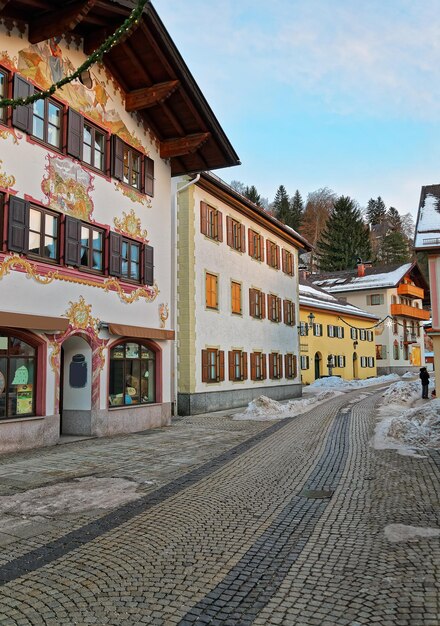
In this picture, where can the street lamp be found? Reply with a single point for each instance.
(355, 345)
(311, 319)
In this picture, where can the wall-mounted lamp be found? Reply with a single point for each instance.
(311, 319)
(85, 78)
(355, 345)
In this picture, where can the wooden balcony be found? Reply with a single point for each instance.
(410, 291)
(409, 311)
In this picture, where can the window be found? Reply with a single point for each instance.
(17, 377)
(46, 121)
(257, 304)
(256, 245)
(213, 365)
(131, 260)
(93, 149)
(237, 360)
(211, 222)
(362, 334)
(381, 352)
(330, 330)
(370, 335)
(132, 374)
(305, 363)
(303, 329)
(370, 361)
(258, 366)
(289, 312)
(43, 233)
(340, 361)
(290, 366)
(91, 255)
(317, 330)
(236, 298)
(275, 366)
(363, 361)
(131, 167)
(3, 94)
(211, 291)
(273, 308)
(287, 258)
(236, 234)
(375, 299)
(354, 333)
(272, 254)
(393, 299)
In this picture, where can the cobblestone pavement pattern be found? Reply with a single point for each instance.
(262, 524)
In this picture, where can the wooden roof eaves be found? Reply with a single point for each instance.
(336, 312)
(228, 195)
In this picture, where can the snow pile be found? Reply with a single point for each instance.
(342, 384)
(419, 427)
(402, 532)
(402, 392)
(409, 374)
(265, 409)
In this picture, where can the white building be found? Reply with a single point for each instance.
(86, 319)
(394, 294)
(237, 299)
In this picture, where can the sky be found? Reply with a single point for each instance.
(342, 94)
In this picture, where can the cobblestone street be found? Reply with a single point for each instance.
(231, 523)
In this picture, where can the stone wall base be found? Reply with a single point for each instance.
(26, 433)
(398, 369)
(106, 423)
(197, 403)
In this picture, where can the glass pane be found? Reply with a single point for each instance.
(87, 135)
(85, 236)
(50, 248)
(97, 240)
(117, 352)
(3, 345)
(84, 256)
(38, 108)
(21, 387)
(38, 128)
(35, 220)
(134, 252)
(148, 382)
(2, 84)
(54, 115)
(97, 261)
(134, 271)
(3, 386)
(34, 243)
(99, 142)
(53, 135)
(116, 384)
(18, 347)
(146, 353)
(132, 381)
(126, 166)
(87, 154)
(124, 250)
(132, 350)
(51, 224)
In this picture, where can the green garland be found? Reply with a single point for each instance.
(375, 325)
(111, 41)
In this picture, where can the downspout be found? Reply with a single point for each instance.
(174, 291)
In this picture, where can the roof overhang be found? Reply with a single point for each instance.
(148, 67)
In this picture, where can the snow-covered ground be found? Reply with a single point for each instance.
(264, 408)
(407, 423)
(335, 382)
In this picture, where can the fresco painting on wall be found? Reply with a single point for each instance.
(68, 186)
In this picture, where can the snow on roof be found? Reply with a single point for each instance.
(311, 296)
(372, 280)
(428, 219)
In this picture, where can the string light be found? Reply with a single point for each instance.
(390, 321)
(126, 26)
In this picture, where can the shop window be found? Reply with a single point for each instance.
(132, 374)
(236, 234)
(236, 298)
(290, 366)
(211, 291)
(287, 258)
(213, 365)
(258, 366)
(257, 304)
(237, 361)
(272, 254)
(17, 377)
(211, 222)
(256, 245)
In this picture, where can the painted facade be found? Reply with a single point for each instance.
(229, 350)
(427, 240)
(86, 285)
(337, 341)
(393, 294)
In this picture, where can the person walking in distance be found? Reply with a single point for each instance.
(424, 377)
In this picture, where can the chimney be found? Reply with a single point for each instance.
(303, 273)
(360, 268)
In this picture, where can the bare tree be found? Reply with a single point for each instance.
(319, 207)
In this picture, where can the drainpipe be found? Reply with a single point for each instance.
(174, 291)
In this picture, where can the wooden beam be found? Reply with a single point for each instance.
(60, 21)
(3, 3)
(94, 39)
(182, 145)
(150, 96)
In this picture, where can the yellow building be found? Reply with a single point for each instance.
(336, 338)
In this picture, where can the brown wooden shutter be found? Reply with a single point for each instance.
(252, 302)
(244, 366)
(293, 314)
(219, 226)
(268, 251)
(280, 365)
(148, 265)
(285, 311)
(263, 366)
(231, 364)
(278, 256)
(263, 304)
(243, 238)
(118, 158)
(75, 134)
(22, 115)
(18, 224)
(284, 260)
(203, 218)
(205, 366)
(278, 309)
(115, 254)
(286, 364)
(261, 248)
(229, 235)
(271, 357)
(72, 244)
(149, 176)
(221, 360)
(253, 367)
(251, 247)
(294, 366)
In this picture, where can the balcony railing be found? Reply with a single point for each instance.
(411, 291)
(404, 310)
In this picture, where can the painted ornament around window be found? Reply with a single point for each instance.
(6, 181)
(130, 225)
(164, 313)
(134, 195)
(68, 187)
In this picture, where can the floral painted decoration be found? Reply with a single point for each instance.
(130, 225)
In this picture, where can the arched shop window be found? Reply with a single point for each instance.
(132, 374)
(17, 377)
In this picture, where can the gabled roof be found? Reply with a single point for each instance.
(218, 187)
(150, 70)
(427, 235)
(312, 296)
(383, 277)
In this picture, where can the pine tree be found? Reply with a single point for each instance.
(344, 239)
(281, 205)
(376, 211)
(394, 220)
(395, 248)
(252, 194)
(296, 211)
